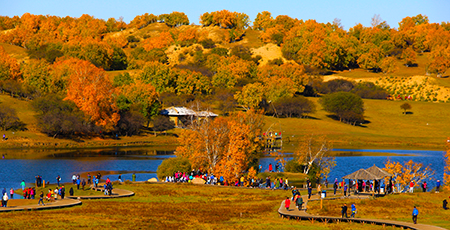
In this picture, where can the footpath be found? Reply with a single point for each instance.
(294, 213)
(69, 201)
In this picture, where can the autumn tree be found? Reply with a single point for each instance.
(250, 96)
(90, 89)
(9, 69)
(407, 172)
(9, 119)
(263, 21)
(405, 106)
(388, 65)
(313, 150)
(440, 60)
(142, 21)
(409, 55)
(174, 19)
(220, 146)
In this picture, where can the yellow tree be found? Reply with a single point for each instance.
(91, 90)
(312, 150)
(9, 69)
(387, 65)
(263, 21)
(250, 96)
(407, 172)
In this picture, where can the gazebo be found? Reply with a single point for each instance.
(373, 173)
(379, 172)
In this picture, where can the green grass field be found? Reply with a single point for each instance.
(386, 127)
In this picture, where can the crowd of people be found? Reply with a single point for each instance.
(243, 181)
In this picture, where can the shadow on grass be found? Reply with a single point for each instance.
(360, 124)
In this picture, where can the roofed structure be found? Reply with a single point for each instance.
(181, 116)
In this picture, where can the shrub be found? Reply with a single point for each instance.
(162, 123)
(208, 43)
(130, 123)
(348, 107)
(220, 51)
(9, 119)
(172, 165)
(293, 107)
(293, 166)
(58, 117)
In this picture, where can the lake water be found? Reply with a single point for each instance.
(144, 162)
(349, 164)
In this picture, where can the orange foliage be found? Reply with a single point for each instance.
(163, 40)
(9, 69)
(188, 34)
(222, 146)
(90, 89)
(409, 171)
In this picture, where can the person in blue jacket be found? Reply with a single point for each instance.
(415, 213)
(353, 211)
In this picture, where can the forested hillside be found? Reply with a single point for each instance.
(89, 76)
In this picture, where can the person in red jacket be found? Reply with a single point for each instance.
(270, 167)
(287, 203)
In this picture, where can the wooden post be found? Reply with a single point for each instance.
(321, 202)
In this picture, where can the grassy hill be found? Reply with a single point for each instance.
(386, 127)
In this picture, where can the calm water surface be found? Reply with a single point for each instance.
(144, 162)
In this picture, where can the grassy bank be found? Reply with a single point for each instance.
(185, 206)
(424, 127)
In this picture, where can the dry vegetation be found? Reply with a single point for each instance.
(184, 206)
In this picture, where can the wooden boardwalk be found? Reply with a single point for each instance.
(60, 203)
(69, 201)
(294, 213)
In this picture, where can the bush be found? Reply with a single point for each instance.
(162, 123)
(130, 123)
(369, 90)
(293, 107)
(9, 119)
(208, 43)
(348, 107)
(220, 51)
(172, 165)
(58, 117)
(293, 166)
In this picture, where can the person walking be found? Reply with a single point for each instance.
(353, 211)
(11, 192)
(299, 202)
(287, 203)
(335, 186)
(415, 213)
(438, 184)
(58, 180)
(344, 211)
(5, 200)
(41, 199)
(63, 192)
(23, 185)
(133, 177)
(424, 186)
